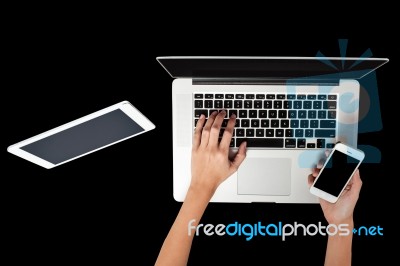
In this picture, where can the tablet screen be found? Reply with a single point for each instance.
(85, 137)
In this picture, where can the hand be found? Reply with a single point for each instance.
(342, 210)
(210, 162)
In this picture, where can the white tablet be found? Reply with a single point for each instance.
(83, 136)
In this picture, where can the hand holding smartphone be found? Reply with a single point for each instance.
(337, 172)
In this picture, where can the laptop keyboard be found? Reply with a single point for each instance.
(275, 120)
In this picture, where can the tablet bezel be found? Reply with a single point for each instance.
(124, 106)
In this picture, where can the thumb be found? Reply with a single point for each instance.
(239, 158)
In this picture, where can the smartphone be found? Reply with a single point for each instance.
(337, 172)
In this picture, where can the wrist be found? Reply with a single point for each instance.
(201, 192)
(348, 221)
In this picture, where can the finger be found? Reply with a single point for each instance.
(205, 135)
(239, 158)
(197, 131)
(228, 133)
(320, 163)
(311, 179)
(215, 128)
(315, 172)
(357, 183)
(327, 152)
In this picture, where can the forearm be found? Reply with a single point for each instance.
(338, 250)
(176, 247)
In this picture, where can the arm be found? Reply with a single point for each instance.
(338, 249)
(210, 167)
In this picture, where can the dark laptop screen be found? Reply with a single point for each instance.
(279, 68)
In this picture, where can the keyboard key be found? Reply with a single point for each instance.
(198, 104)
(287, 104)
(330, 145)
(199, 112)
(255, 122)
(282, 114)
(260, 96)
(232, 112)
(232, 144)
(304, 123)
(237, 123)
(291, 96)
(277, 104)
(260, 132)
(310, 145)
(225, 123)
(269, 132)
(243, 113)
(272, 113)
(245, 123)
(311, 97)
(327, 124)
(250, 132)
(239, 96)
(301, 143)
(307, 104)
(279, 133)
(320, 143)
(228, 104)
(299, 133)
(332, 97)
(248, 104)
(292, 114)
(321, 97)
(264, 123)
(314, 123)
(258, 104)
(267, 104)
(290, 143)
(221, 132)
(237, 104)
(284, 123)
(325, 133)
(219, 96)
(239, 132)
(252, 113)
(280, 96)
(198, 96)
(289, 133)
(302, 114)
(228, 96)
(270, 96)
(274, 123)
(249, 96)
(321, 114)
(329, 104)
(301, 97)
(309, 133)
(294, 123)
(297, 104)
(332, 114)
(208, 104)
(262, 114)
(312, 114)
(261, 142)
(209, 96)
(218, 104)
(317, 104)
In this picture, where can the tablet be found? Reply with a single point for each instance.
(83, 136)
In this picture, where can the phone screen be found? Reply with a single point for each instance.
(336, 172)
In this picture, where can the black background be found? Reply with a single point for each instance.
(116, 205)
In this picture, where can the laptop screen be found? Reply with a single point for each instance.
(269, 68)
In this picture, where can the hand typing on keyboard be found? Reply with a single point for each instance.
(210, 163)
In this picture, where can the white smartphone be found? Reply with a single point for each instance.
(337, 172)
(85, 135)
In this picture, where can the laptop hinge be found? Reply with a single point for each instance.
(298, 82)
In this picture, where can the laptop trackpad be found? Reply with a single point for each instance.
(265, 176)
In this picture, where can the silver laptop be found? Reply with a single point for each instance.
(289, 110)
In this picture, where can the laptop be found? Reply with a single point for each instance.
(290, 110)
